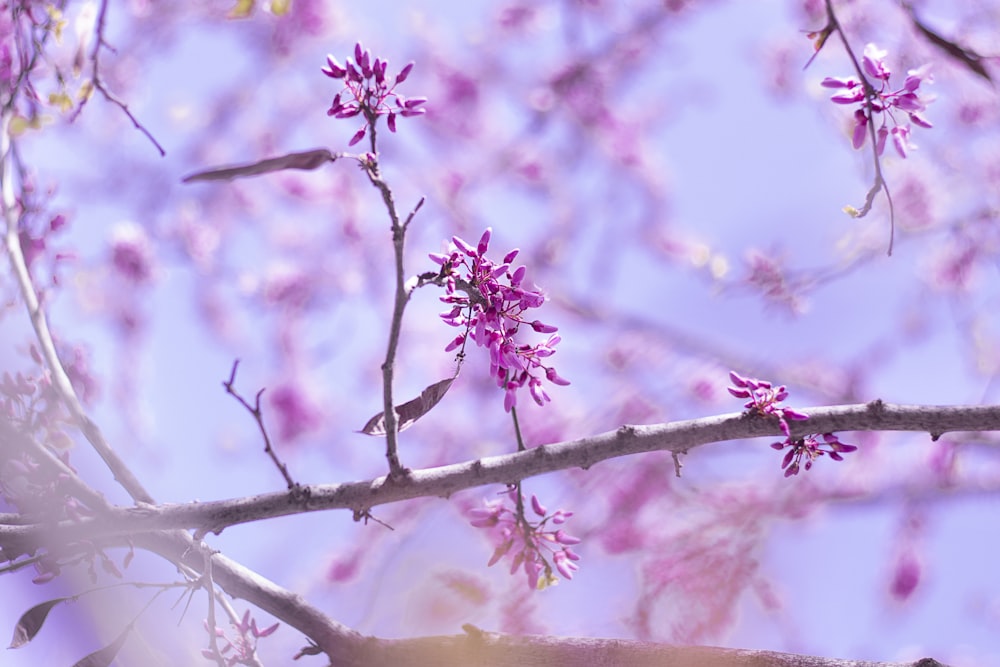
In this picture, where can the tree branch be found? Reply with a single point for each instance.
(677, 437)
(60, 380)
(488, 649)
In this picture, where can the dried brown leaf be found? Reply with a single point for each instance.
(31, 622)
(305, 160)
(411, 411)
(103, 657)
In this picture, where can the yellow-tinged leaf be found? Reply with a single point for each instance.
(851, 211)
(58, 22)
(18, 124)
(280, 7)
(242, 10)
(86, 90)
(61, 100)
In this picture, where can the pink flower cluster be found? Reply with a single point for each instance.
(809, 447)
(492, 311)
(530, 543)
(244, 645)
(368, 91)
(883, 100)
(764, 400)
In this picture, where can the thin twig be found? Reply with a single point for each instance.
(98, 84)
(880, 183)
(60, 380)
(209, 584)
(401, 296)
(258, 416)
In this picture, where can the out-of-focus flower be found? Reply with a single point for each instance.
(242, 649)
(296, 412)
(905, 576)
(532, 546)
(132, 253)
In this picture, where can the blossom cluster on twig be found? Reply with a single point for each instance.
(241, 649)
(367, 91)
(883, 100)
(492, 311)
(764, 399)
(529, 544)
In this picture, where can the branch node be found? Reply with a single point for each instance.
(300, 494)
(366, 515)
(677, 463)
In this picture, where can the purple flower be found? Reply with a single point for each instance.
(874, 64)
(132, 254)
(764, 400)
(901, 139)
(860, 129)
(490, 301)
(367, 92)
(532, 547)
(241, 649)
(810, 448)
(881, 99)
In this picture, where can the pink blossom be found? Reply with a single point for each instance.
(296, 413)
(367, 92)
(531, 546)
(764, 401)
(860, 129)
(489, 301)
(132, 253)
(241, 649)
(873, 62)
(906, 577)
(881, 99)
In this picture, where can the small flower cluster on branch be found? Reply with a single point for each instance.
(810, 448)
(368, 91)
(883, 100)
(242, 649)
(492, 311)
(530, 544)
(764, 400)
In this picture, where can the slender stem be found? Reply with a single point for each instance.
(209, 584)
(98, 84)
(60, 380)
(401, 296)
(880, 182)
(258, 415)
(517, 430)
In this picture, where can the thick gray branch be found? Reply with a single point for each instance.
(488, 649)
(442, 481)
(149, 527)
